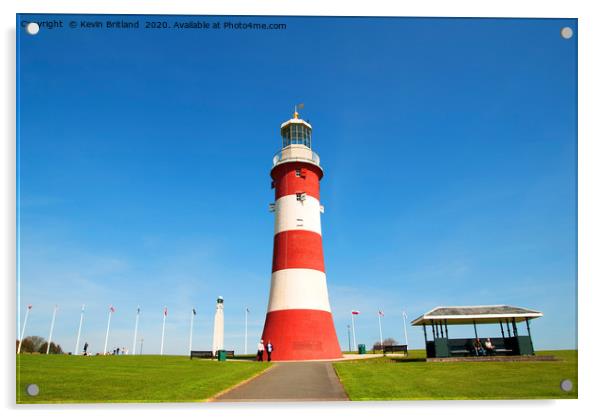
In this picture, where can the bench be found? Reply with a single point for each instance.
(201, 354)
(460, 352)
(209, 354)
(391, 348)
(396, 348)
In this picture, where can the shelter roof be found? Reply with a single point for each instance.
(485, 314)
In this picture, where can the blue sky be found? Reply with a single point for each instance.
(449, 149)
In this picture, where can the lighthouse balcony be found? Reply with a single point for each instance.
(296, 152)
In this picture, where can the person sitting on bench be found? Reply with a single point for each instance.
(489, 347)
(478, 348)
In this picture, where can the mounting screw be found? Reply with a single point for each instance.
(566, 385)
(566, 32)
(32, 28)
(33, 390)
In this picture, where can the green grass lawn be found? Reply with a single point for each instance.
(64, 379)
(413, 378)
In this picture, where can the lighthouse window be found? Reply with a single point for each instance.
(296, 133)
(286, 137)
(298, 172)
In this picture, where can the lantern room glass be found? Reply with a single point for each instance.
(296, 133)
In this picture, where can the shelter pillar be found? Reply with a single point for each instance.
(527, 320)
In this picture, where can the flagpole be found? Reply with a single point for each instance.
(108, 327)
(51, 328)
(23, 329)
(349, 336)
(191, 325)
(246, 324)
(136, 330)
(79, 331)
(380, 331)
(163, 330)
(405, 331)
(353, 332)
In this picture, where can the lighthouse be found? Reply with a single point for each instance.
(299, 322)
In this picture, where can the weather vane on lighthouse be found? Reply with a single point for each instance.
(298, 107)
(299, 322)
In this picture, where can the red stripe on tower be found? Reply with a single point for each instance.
(305, 177)
(298, 249)
(299, 322)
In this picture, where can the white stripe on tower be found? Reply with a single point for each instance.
(293, 214)
(298, 289)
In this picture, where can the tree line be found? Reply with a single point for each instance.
(35, 344)
(386, 341)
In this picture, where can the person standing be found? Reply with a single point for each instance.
(270, 348)
(260, 350)
(85, 349)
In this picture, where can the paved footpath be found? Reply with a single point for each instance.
(293, 382)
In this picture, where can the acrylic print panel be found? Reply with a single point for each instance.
(280, 208)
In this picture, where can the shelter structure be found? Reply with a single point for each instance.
(508, 317)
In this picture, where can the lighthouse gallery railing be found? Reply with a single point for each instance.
(315, 158)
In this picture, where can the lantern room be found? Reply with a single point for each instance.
(295, 131)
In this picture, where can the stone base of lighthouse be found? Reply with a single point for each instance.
(301, 334)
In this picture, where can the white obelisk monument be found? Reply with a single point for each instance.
(218, 326)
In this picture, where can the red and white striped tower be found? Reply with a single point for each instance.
(298, 322)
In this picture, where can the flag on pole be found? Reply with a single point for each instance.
(191, 326)
(248, 311)
(353, 313)
(405, 331)
(380, 330)
(112, 308)
(23, 329)
(163, 329)
(138, 310)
